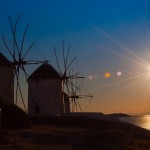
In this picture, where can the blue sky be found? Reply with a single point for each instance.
(106, 35)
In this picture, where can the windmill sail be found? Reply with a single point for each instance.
(18, 53)
(70, 77)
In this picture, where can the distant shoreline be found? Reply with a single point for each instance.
(74, 132)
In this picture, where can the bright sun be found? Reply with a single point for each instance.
(147, 69)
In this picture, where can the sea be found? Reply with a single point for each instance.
(141, 121)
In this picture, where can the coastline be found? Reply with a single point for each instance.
(75, 133)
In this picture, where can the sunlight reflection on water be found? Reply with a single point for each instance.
(142, 121)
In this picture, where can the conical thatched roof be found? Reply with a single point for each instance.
(3, 59)
(45, 71)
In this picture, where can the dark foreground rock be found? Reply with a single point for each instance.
(75, 133)
(13, 117)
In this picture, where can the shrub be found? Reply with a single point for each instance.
(14, 117)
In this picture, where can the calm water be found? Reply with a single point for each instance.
(142, 121)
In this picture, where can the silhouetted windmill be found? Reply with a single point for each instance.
(70, 77)
(18, 55)
(76, 96)
(75, 101)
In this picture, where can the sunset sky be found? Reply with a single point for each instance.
(110, 37)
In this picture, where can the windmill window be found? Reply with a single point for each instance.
(37, 109)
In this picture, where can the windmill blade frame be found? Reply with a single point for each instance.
(69, 79)
(18, 58)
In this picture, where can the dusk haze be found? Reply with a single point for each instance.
(98, 51)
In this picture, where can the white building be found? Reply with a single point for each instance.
(6, 80)
(45, 95)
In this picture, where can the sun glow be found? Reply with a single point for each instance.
(128, 84)
(147, 67)
(90, 77)
(119, 73)
(107, 75)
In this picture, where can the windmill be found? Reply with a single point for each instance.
(70, 76)
(18, 54)
(77, 102)
(77, 95)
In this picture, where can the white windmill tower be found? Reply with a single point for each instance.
(45, 92)
(6, 80)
